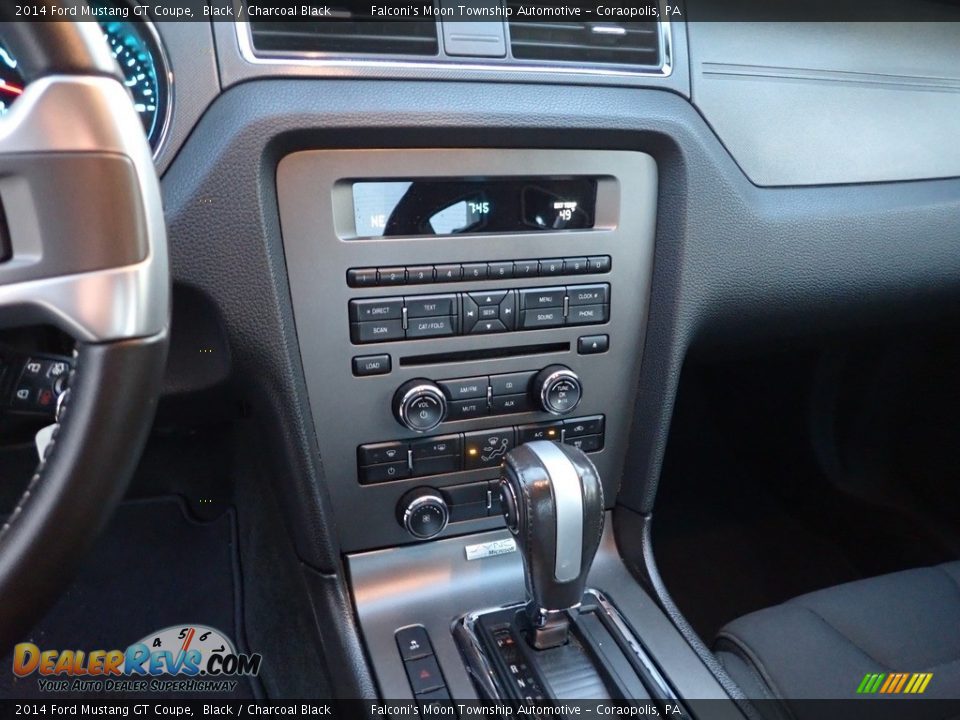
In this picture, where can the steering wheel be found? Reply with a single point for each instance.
(88, 254)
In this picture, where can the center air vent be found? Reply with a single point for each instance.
(352, 30)
(620, 43)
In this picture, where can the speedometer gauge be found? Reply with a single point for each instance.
(136, 47)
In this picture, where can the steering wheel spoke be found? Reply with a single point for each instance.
(82, 213)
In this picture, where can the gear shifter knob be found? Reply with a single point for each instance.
(553, 503)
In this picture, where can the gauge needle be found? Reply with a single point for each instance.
(4, 85)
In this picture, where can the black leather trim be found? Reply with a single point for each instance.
(54, 47)
(103, 427)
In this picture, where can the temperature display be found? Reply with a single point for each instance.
(466, 206)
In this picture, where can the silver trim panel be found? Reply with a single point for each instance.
(568, 501)
(76, 114)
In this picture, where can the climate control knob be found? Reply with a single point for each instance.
(420, 405)
(423, 512)
(558, 389)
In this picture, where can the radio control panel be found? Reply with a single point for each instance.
(484, 298)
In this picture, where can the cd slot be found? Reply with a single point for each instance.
(484, 354)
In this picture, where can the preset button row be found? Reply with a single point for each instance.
(458, 272)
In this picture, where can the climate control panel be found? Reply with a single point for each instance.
(422, 457)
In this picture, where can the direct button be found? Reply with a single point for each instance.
(376, 309)
(430, 305)
(465, 388)
(371, 365)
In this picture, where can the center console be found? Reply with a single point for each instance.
(456, 311)
(451, 305)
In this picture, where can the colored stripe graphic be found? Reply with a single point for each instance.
(894, 683)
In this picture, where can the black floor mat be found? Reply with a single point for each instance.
(153, 567)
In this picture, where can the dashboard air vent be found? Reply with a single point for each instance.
(620, 43)
(351, 30)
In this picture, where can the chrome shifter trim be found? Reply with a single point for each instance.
(568, 499)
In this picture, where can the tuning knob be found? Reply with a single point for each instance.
(423, 512)
(558, 389)
(420, 405)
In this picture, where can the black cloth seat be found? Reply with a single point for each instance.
(820, 645)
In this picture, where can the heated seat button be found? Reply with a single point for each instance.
(587, 443)
(376, 309)
(378, 331)
(431, 305)
(413, 643)
(424, 674)
(589, 294)
(542, 298)
(587, 314)
(430, 327)
(385, 452)
(465, 388)
(384, 472)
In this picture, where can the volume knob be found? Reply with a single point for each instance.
(558, 389)
(420, 405)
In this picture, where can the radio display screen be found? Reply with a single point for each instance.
(465, 206)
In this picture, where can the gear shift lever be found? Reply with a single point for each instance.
(553, 504)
